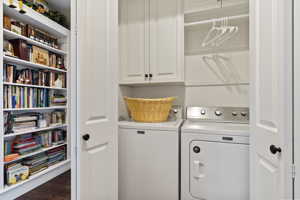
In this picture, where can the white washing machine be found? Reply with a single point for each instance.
(215, 154)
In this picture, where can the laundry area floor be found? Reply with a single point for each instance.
(60, 188)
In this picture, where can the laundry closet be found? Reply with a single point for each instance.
(197, 52)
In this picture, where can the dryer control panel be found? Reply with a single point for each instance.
(219, 114)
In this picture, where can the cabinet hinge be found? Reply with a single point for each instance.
(293, 171)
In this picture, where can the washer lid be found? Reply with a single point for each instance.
(215, 128)
(163, 126)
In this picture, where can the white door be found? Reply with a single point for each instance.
(270, 98)
(166, 41)
(97, 54)
(134, 41)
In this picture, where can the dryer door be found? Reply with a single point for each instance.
(219, 171)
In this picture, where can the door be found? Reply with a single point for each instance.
(223, 166)
(270, 98)
(97, 53)
(134, 41)
(200, 5)
(166, 41)
(148, 165)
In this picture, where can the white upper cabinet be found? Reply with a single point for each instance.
(151, 41)
(166, 41)
(199, 5)
(134, 35)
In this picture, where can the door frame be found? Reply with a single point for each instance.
(287, 164)
(75, 139)
(296, 97)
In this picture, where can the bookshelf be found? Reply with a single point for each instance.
(38, 93)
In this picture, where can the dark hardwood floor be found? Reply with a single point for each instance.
(58, 188)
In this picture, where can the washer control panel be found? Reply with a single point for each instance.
(219, 114)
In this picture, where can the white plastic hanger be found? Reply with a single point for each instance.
(219, 32)
(231, 31)
(222, 33)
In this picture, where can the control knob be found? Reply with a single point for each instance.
(196, 149)
(244, 114)
(218, 112)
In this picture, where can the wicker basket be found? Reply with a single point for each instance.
(149, 110)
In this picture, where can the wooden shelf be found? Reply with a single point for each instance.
(18, 61)
(9, 35)
(34, 86)
(35, 19)
(34, 130)
(35, 153)
(46, 171)
(33, 109)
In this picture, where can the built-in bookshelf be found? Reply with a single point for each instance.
(35, 137)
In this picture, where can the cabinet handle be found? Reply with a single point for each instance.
(227, 138)
(150, 75)
(141, 132)
(146, 75)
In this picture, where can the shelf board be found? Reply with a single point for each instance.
(9, 35)
(35, 19)
(46, 171)
(33, 86)
(18, 61)
(227, 11)
(34, 130)
(32, 109)
(35, 153)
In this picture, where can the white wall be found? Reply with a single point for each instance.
(235, 95)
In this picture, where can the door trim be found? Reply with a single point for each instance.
(296, 96)
(75, 136)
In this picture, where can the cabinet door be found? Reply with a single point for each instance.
(134, 41)
(200, 5)
(166, 41)
(226, 3)
(148, 165)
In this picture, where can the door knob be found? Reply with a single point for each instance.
(275, 149)
(86, 137)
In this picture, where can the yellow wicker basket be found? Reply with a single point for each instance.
(149, 110)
